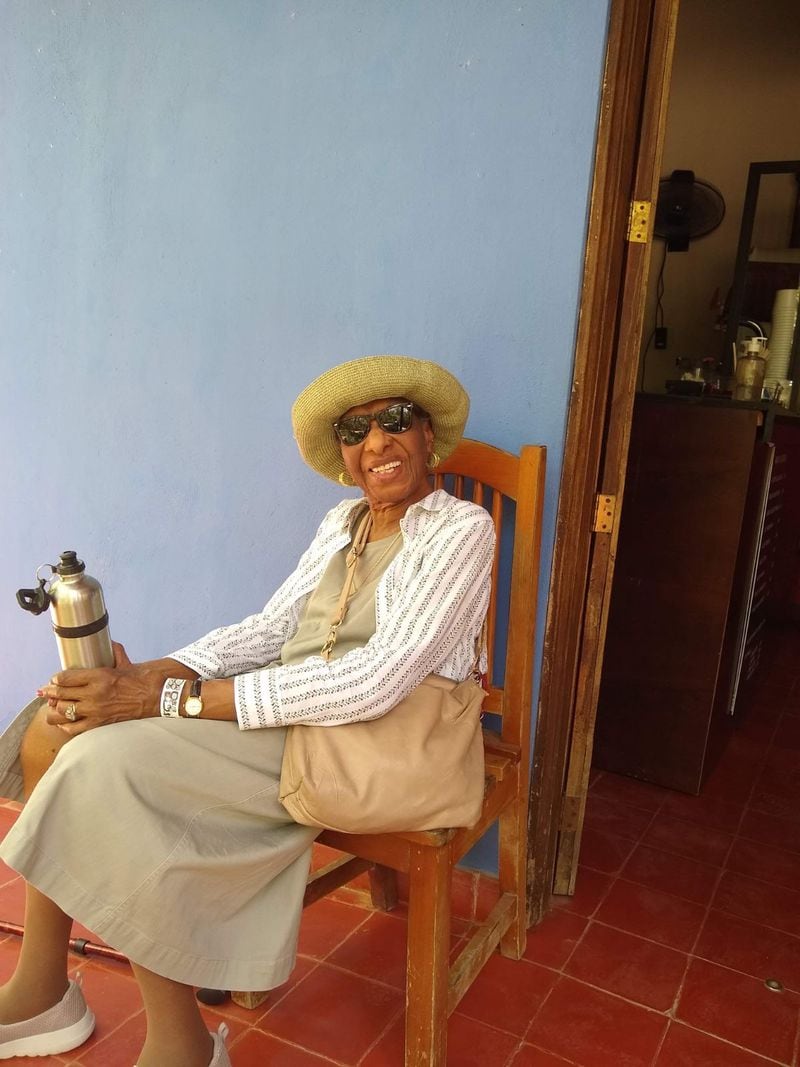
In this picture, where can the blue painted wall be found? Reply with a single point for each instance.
(204, 204)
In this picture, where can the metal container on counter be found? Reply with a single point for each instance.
(751, 365)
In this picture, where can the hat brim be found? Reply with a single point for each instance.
(360, 381)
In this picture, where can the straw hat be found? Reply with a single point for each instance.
(361, 380)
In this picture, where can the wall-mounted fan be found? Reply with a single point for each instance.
(687, 208)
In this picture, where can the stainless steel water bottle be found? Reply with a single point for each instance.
(78, 611)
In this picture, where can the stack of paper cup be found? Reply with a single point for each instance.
(784, 319)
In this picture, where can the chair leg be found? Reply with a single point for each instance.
(383, 887)
(513, 870)
(428, 957)
(249, 1000)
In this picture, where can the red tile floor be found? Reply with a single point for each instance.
(685, 907)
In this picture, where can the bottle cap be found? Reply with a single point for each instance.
(70, 564)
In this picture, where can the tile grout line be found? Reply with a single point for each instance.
(591, 919)
(400, 1012)
(357, 974)
(691, 954)
(289, 1044)
(730, 1044)
(748, 806)
(537, 1013)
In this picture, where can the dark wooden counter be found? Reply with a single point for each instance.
(691, 576)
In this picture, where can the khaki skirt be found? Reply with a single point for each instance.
(166, 838)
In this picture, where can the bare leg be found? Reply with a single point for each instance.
(39, 748)
(176, 1032)
(40, 980)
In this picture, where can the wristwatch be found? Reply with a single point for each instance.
(194, 702)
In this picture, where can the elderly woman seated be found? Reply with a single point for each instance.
(163, 832)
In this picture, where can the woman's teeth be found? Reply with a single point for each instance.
(385, 467)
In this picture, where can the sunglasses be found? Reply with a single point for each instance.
(394, 419)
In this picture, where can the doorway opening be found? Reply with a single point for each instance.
(720, 113)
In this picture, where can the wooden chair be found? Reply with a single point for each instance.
(434, 987)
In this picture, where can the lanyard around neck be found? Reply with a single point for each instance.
(358, 546)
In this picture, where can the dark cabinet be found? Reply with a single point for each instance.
(691, 586)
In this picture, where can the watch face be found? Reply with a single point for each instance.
(193, 706)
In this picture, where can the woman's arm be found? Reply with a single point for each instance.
(436, 607)
(127, 691)
(133, 690)
(257, 640)
(439, 607)
(105, 695)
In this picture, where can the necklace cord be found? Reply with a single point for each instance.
(358, 546)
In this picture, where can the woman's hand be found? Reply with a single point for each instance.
(80, 700)
(121, 658)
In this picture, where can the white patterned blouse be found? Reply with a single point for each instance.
(429, 608)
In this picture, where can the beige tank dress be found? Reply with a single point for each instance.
(166, 838)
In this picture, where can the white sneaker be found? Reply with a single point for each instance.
(220, 1057)
(59, 1029)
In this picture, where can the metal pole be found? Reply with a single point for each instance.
(89, 948)
(76, 944)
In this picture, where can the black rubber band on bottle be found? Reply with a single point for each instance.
(82, 631)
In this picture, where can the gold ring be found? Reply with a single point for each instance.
(71, 712)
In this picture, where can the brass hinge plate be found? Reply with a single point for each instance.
(639, 221)
(605, 511)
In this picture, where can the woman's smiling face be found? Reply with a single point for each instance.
(390, 468)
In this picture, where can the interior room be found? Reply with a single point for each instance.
(709, 550)
(732, 102)
(690, 841)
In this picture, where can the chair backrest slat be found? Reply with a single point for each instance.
(519, 479)
(497, 518)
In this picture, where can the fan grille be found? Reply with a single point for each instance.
(687, 208)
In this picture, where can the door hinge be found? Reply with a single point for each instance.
(605, 511)
(639, 221)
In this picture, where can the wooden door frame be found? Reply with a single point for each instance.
(628, 152)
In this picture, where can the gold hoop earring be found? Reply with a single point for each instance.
(434, 459)
(344, 479)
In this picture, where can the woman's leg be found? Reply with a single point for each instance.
(176, 1032)
(40, 746)
(40, 979)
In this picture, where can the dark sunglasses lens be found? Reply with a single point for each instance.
(395, 419)
(353, 430)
